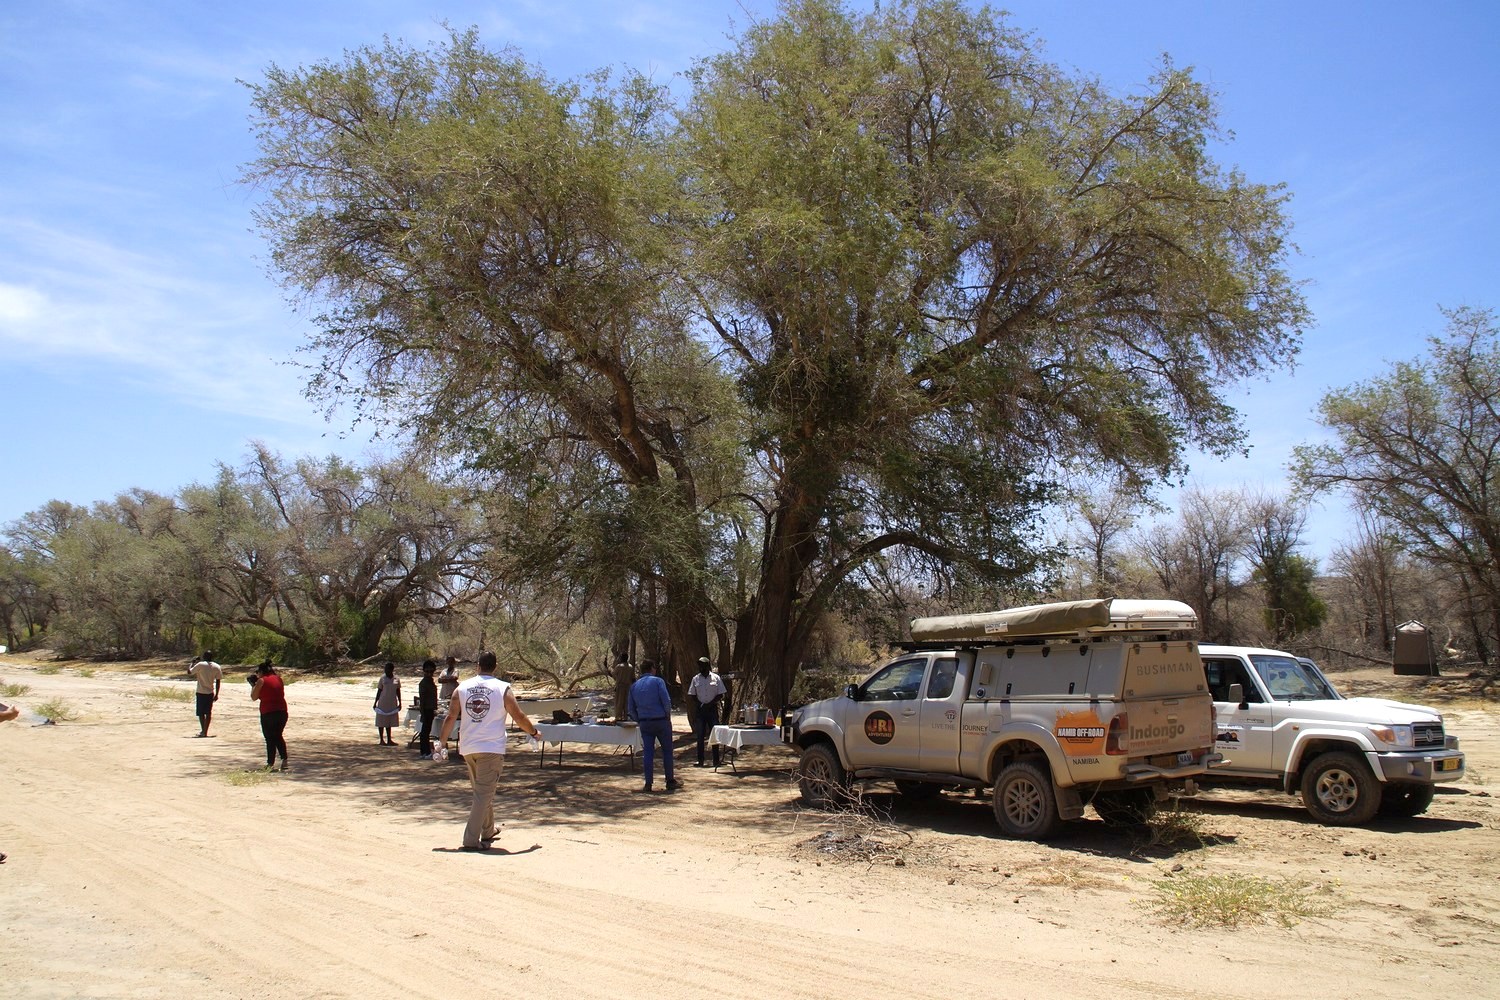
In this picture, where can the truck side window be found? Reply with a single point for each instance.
(898, 682)
(1222, 673)
(940, 684)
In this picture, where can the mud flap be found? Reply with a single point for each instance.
(1069, 803)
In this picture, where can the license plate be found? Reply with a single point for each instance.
(1451, 764)
(1185, 758)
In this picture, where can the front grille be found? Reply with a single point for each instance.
(1428, 735)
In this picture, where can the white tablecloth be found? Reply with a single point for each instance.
(414, 723)
(624, 736)
(735, 738)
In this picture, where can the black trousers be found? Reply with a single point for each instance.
(272, 726)
(707, 717)
(426, 736)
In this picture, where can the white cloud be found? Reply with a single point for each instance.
(20, 306)
(218, 339)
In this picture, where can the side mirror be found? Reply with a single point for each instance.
(852, 692)
(1237, 693)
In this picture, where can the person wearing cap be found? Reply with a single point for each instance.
(706, 694)
(650, 704)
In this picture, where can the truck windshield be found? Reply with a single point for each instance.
(1288, 679)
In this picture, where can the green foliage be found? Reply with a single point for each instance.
(856, 301)
(248, 644)
(398, 647)
(14, 690)
(1293, 606)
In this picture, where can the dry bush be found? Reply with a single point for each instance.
(1233, 900)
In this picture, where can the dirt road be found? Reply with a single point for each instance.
(146, 863)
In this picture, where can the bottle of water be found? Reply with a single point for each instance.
(439, 754)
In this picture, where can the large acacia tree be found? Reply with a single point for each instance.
(1418, 449)
(858, 298)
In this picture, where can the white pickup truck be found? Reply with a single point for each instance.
(1282, 725)
(1053, 707)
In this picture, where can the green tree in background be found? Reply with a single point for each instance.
(855, 303)
(1275, 527)
(329, 556)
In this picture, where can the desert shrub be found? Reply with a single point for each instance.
(14, 690)
(169, 694)
(56, 710)
(1231, 900)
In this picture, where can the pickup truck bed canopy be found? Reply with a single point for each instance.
(1098, 617)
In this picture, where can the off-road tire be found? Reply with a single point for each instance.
(1025, 803)
(1405, 799)
(918, 791)
(821, 777)
(1131, 807)
(1339, 790)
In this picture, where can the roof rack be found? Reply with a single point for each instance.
(1091, 619)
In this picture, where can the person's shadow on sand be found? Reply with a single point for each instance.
(501, 851)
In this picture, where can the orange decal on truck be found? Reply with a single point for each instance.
(1080, 733)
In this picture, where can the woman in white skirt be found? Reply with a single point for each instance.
(388, 705)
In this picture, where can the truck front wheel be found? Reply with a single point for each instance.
(821, 777)
(1405, 799)
(1025, 804)
(1338, 789)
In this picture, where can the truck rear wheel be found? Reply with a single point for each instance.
(1338, 789)
(821, 777)
(1405, 799)
(1025, 804)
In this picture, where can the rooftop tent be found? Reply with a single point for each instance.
(1098, 617)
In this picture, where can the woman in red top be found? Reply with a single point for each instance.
(271, 693)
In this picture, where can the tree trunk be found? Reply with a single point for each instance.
(768, 662)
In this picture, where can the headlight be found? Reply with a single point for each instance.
(1396, 736)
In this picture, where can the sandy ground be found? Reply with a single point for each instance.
(146, 863)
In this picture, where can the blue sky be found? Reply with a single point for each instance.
(143, 341)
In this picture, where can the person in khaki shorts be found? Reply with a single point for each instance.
(209, 676)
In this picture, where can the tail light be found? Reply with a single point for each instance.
(1116, 741)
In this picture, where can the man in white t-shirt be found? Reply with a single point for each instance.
(706, 691)
(209, 676)
(486, 702)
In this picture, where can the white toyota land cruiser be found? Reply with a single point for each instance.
(1282, 725)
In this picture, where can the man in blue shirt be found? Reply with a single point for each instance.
(650, 705)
